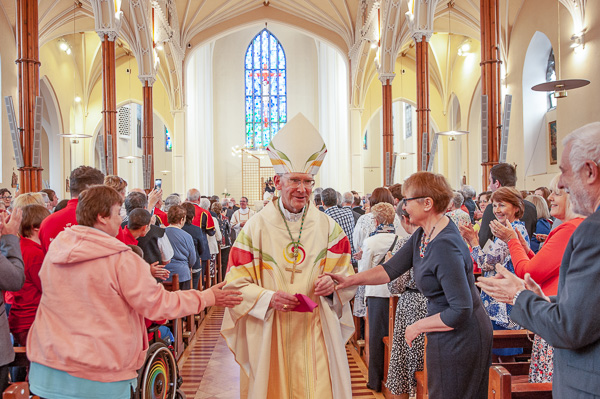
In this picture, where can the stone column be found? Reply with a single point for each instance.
(178, 162)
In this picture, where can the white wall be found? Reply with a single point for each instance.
(228, 93)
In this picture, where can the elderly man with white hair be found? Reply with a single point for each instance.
(284, 346)
(563, 320)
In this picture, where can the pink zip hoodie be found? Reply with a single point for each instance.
(95, 295)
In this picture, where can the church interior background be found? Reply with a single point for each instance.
(198, 84)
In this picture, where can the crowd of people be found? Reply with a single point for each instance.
(71, 282)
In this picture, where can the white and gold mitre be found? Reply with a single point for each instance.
(297, 148)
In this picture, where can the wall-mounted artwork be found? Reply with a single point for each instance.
(552, 140)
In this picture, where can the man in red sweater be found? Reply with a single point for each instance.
(80, 179)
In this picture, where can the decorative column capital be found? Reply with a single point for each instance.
(110, 34)
(386, 78)
(418, 36)
(149, 79)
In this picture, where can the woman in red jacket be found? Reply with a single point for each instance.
(27, 299)
(543, 268)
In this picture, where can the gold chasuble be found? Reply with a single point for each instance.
(289, 354)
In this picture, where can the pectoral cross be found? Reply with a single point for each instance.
(293, 268)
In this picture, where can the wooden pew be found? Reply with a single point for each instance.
(176, 324)
(513, 385)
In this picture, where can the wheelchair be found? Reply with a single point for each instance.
(159, 377)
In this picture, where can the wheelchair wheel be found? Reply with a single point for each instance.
(179, 394)
(158, 377)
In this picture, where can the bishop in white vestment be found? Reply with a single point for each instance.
(282, 251)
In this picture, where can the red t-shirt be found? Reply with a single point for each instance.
(27, 299)
(126, 237)
(162, 215)
(57, 222)
(197, 221)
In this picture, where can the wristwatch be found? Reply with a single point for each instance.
(514, 301)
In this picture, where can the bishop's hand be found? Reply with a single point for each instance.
(283, 301)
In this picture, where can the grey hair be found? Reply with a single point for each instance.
(585, 145)
(468, 191)
(457, 200)
(193, 195)
(170, 201)
(329, 197)
(318, 190)
(339, 198)
(348, 198)
(205, 203)
(225, 203)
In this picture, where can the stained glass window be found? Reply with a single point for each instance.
(168, 141)
(266, 90)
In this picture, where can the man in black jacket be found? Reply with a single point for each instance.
(504, 175)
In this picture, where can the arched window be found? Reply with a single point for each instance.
(551, 76)
(266, 90)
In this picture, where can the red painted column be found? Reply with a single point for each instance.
(388, 130)
(148, 134)
(28, 66)
(423, 111)
(109, 102)
(490, 78)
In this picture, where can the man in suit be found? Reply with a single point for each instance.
(13, 277)
(347, 201)
(568, 321)
(504, 175)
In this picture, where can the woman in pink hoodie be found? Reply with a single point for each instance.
(89, 339)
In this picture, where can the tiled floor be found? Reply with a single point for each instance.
(209, 370)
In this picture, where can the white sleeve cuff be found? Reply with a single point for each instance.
(261, 308)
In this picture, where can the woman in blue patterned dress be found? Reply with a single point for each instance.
(508, 208)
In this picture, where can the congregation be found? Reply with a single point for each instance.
(420, 241)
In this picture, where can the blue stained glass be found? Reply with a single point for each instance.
(281, 57)
(273, 76)
(249, 60)
(282, 85)
(257, 110)
(248, 83)
(266, 89)
(248, 109)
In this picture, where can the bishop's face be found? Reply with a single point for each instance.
(295, 190)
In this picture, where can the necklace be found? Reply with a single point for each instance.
(425, 241)
(296, 244)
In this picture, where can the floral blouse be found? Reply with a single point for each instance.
(498, 253)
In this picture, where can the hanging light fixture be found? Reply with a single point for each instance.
(130, 158)
(560, 86)
(452, 133)
(404, 155)
(63, 45)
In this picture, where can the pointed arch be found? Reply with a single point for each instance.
(266, 89)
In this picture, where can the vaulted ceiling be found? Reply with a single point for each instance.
(181, 25)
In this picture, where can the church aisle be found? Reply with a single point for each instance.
(210, 372)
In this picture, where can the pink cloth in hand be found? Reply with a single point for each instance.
(306, 304)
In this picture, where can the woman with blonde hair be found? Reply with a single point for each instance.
(542, 267)
(28, 199)
(543, 225)
(459, 331)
